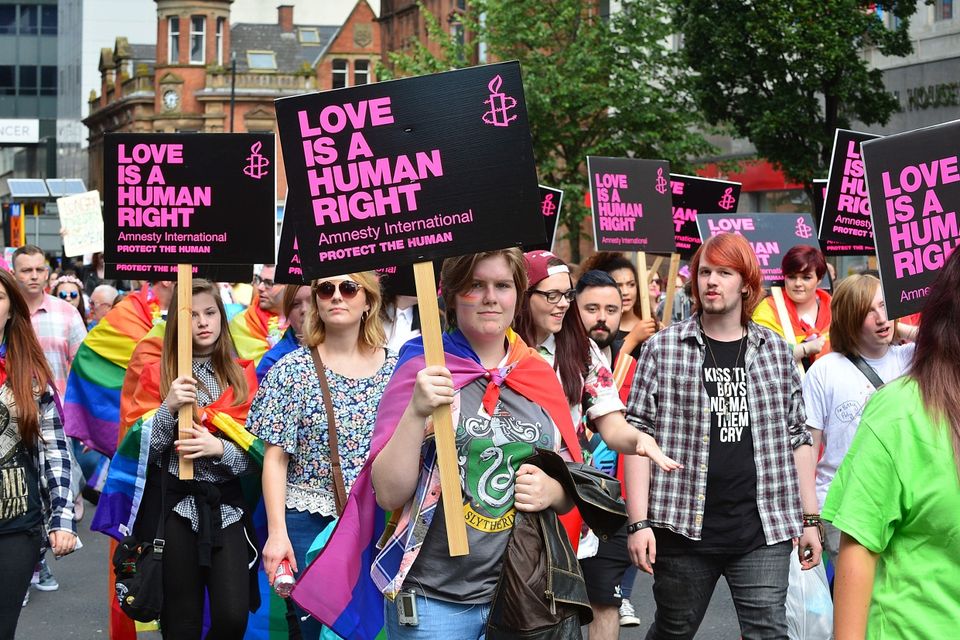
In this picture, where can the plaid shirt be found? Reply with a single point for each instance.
(60, 331)
(669, 402)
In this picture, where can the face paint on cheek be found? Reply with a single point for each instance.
(468, 299)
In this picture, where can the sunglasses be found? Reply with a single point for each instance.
(348, 289)
(68, 294)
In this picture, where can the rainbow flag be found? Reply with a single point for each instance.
(255, 331)
(337, 588)
(92, 401)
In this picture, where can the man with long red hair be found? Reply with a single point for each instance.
(721, 395)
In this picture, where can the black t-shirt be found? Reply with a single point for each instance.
(731, 520)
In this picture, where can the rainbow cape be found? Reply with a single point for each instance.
(287, 344)
(255, 331)
(92, 401)
(337, 587)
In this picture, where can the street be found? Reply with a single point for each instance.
(79, 608)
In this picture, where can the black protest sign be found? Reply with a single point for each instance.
(819, 194)
(410, 170)
(198, 198)
(914, 185)
(551, 201)
(693, 195)
(154, 272)
(289, 270)
(399, 280)
(770, 235)
(631, 205)
(845, 228)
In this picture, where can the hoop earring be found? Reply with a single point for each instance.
(363, 317)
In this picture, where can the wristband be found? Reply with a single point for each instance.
(637, 526)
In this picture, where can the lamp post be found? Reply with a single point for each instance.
(233, 86)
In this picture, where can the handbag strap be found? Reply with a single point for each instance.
(866, 370)
(339, 490)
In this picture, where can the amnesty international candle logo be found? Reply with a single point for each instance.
(662, 183)
(548, 208)
(727, 201)
(500, 105)
(256, 163)
(803, 230)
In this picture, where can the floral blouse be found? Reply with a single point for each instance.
(288, 412)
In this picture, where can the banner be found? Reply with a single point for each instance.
(410, 170)
(914, 186)
(199, 198)
(631, 205)
(819, 195)
(551, 201)
(693, 195)
(845, 228)
(154, 272)
(82, 223)
(770, 234)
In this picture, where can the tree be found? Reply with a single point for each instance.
(785, 75)
(594, 85)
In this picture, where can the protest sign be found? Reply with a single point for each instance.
(154, 272)
(770, 235)
(845, 228)
(289, 270)
(410, 170)
(551, 201)
(631, 205)
(819, 194)
(692, 195)
(189, 198)
(82, 223)
(914, 187)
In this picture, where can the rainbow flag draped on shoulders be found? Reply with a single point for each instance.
(337, 587)
(255, 331)
(92, 401)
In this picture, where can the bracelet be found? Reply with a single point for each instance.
(813, 520)
(637, 526)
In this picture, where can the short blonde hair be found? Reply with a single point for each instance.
(849, 307)
(371, 333)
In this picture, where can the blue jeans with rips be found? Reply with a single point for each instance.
(683, 584)
(439, 620)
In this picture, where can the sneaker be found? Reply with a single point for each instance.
(47, 581)
(628, 617)
(26, 598)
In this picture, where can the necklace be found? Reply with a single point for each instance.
(710, 349)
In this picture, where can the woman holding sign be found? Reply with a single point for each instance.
(807, 306)
(311, 462)
(206, 522)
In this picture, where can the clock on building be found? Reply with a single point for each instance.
(171, 100)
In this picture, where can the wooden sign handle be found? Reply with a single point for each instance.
(185, 355)
(655, 269)
(785, 324)
(671, 289)
(450, 490)
(643, 289)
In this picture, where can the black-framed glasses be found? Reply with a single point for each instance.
(68, 294)
(267, 282)
(553, 295)
(348, 289)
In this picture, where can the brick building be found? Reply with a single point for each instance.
(402, 23)
(183, 83)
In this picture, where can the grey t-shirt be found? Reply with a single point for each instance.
(490, 450)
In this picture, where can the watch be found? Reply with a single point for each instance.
(170, 99)
(637, 526)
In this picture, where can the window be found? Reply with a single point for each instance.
(361, 72)
(461, 5)
(8, 81)
(173, 40)
(944, 10)
(29, 19)
(8, 18)
(198, 29)
(48, 81)
(48, 19)
(456, 34)
(220, 23)
(261, 61)
(28, 81)
(339, 73)
(309, 35)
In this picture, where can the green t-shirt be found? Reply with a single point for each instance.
(898, 494)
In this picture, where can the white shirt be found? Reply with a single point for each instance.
(834, 395)
(399, 330)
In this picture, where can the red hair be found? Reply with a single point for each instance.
(732, 251)
(803, 258)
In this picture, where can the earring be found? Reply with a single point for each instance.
(363, 317)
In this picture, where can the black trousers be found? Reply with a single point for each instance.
(19, 554)
(184, 582)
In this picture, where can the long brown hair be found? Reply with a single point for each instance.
(936, 362)
(849, 307)
(225, 367)
(27, 367)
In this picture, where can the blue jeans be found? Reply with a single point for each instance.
(302, 528)
(439, 620)
(683, 585)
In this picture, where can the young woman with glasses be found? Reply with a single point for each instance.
(343, 325)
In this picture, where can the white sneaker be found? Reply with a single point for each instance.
(26, 598)
(628, 617)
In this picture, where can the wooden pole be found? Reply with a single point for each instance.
(643, 290)
(671, 289)
(785, 323)
(185, 355)
(655, 269)
(450, 491)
